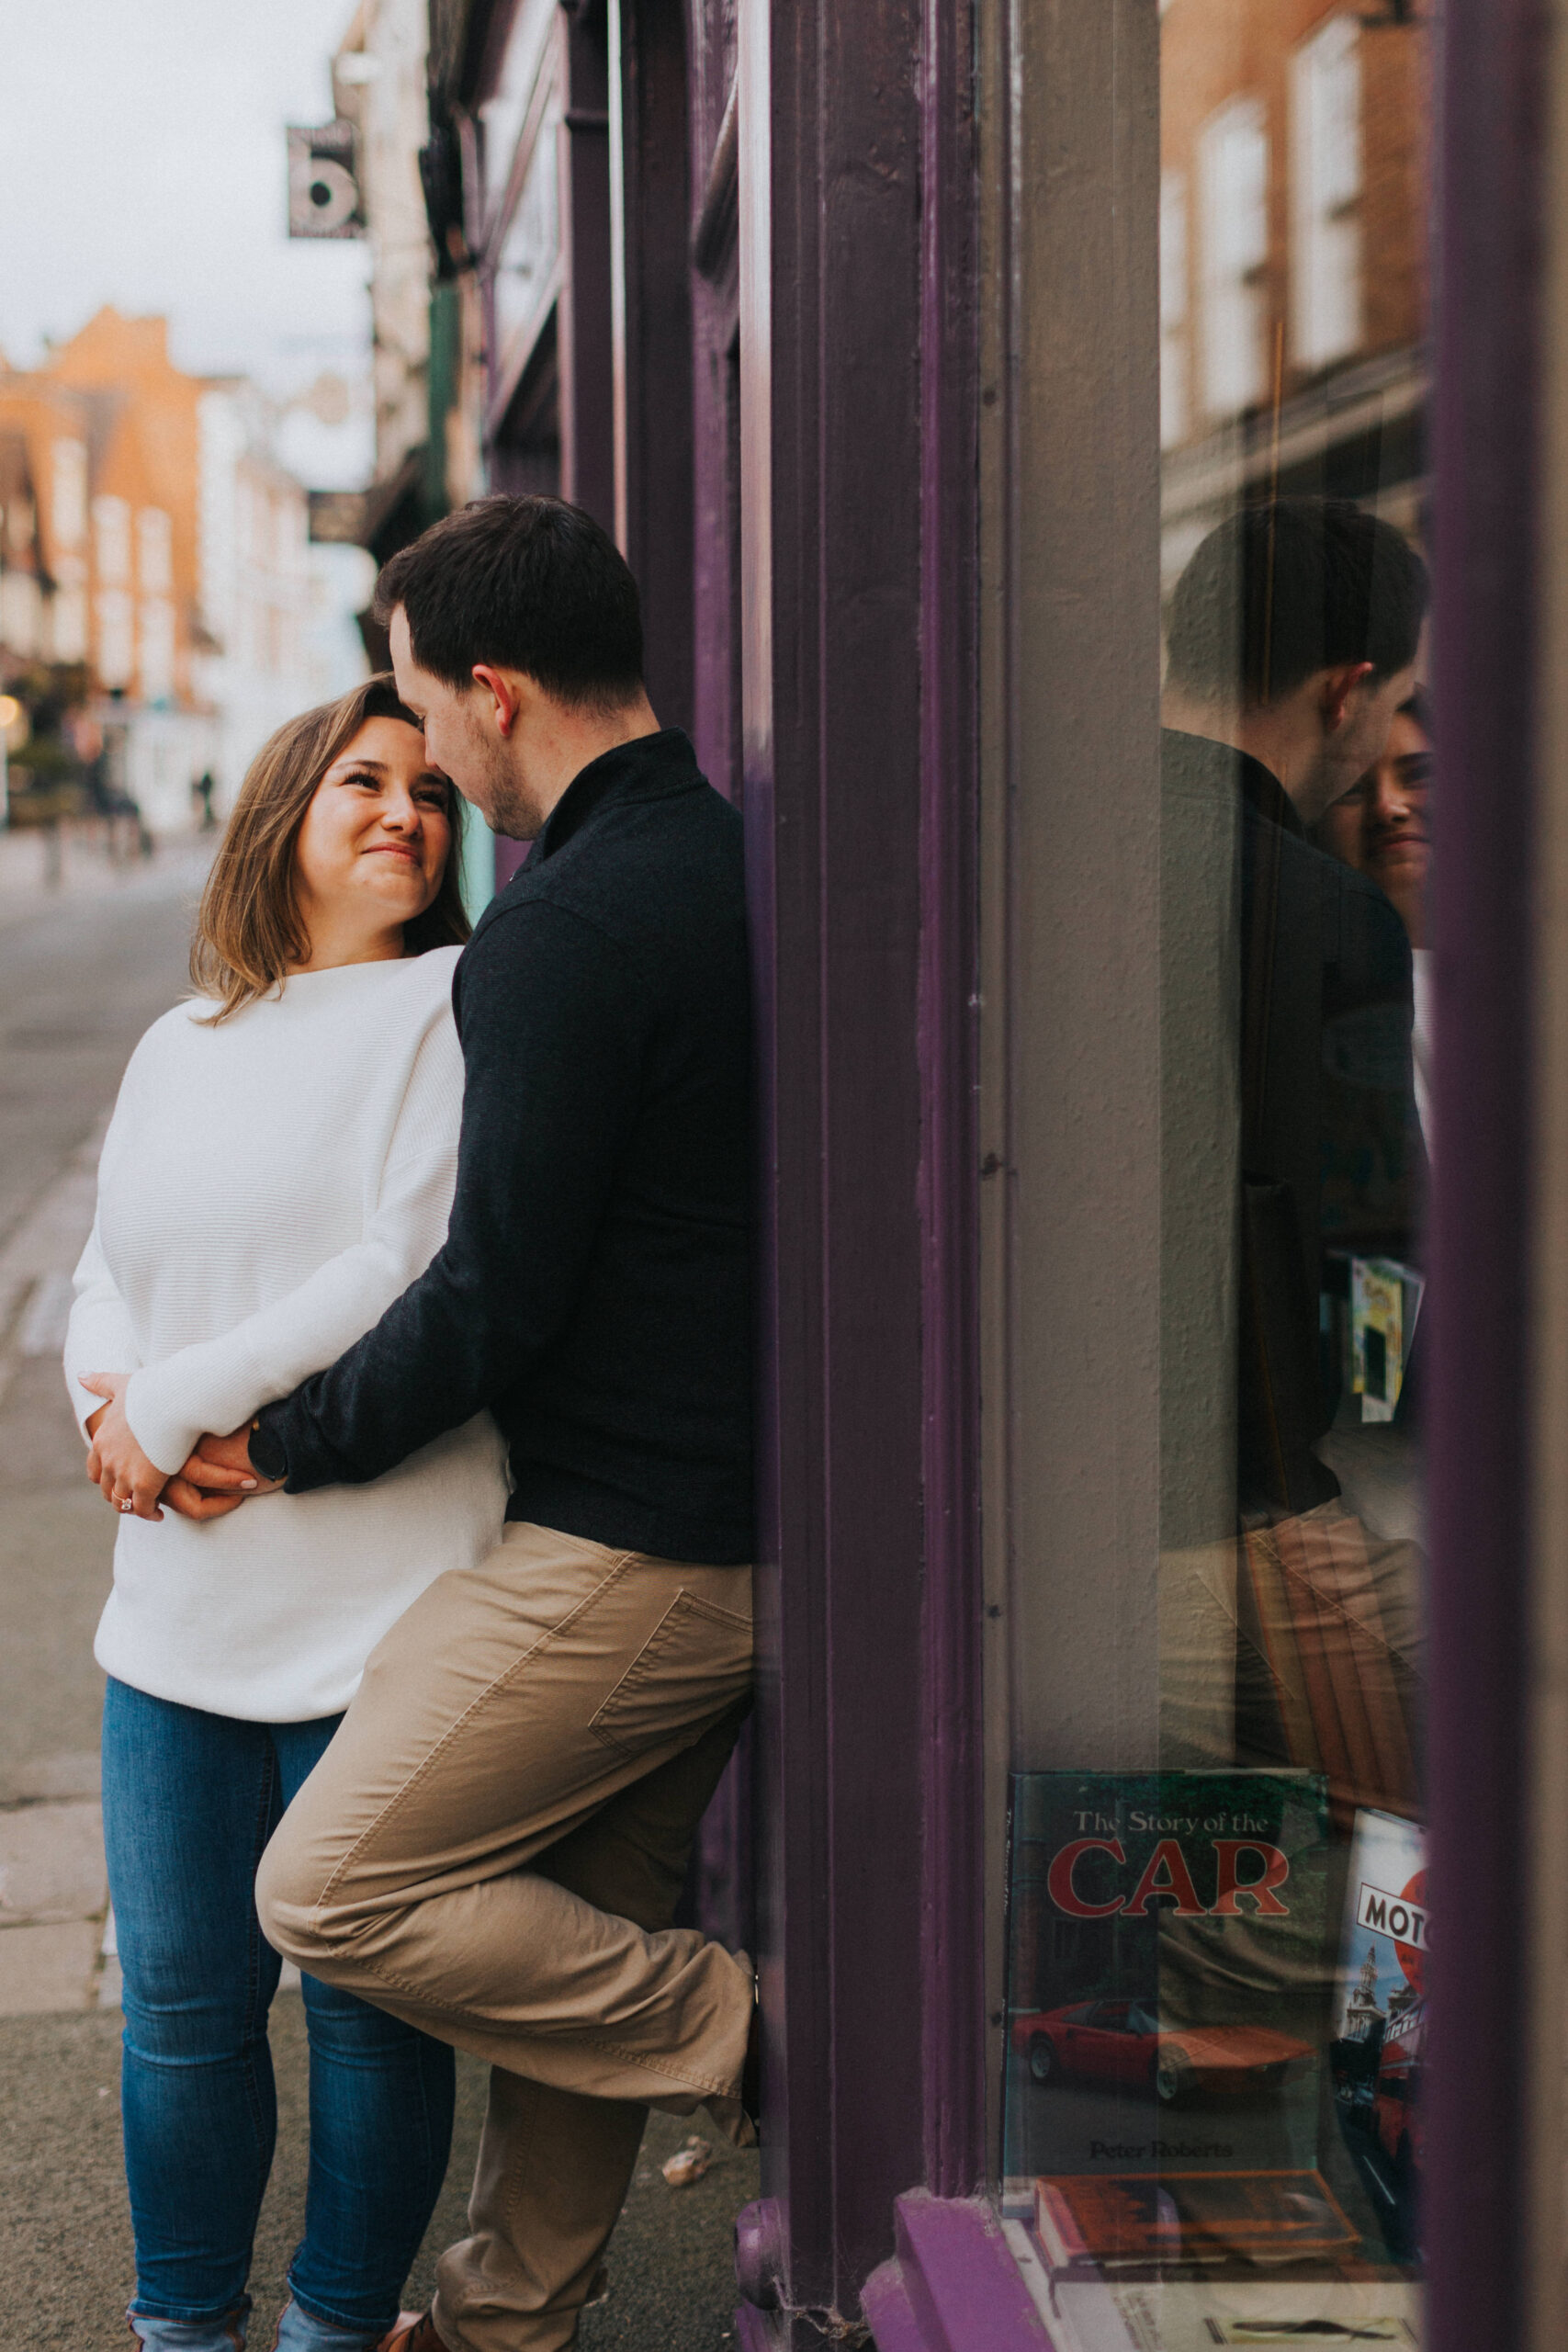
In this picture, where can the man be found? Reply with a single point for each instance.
(1292, 637)
(1292, 641)
(493, 1846)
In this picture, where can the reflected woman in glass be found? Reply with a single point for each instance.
(1381, 827)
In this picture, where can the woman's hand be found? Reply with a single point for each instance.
(116, 1464)
(188, 1501)
(218, 1478)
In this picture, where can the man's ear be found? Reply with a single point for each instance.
(1338, 684)
(502, 690)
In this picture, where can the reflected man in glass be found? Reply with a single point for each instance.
(1292, 1151)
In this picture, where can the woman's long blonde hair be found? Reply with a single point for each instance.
(249, 930)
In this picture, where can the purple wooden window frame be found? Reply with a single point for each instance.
(865, 1905)
(861, 838)
(1487, 505)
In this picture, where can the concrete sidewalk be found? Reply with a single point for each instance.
(65, 2261)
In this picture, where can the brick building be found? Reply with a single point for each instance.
(1294, 148)
(47, 431)
(141, 545)
(152, 539)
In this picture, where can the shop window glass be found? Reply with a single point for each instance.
(1325, 89)
(531, 241)
(157, 636)
(1217, 1929)
(111, 536)
(19, 610)
(116, 643)
(154, 558)
(1233, 169)
(70, 624)
(505, 111)
(68, 518)
(1173, 267)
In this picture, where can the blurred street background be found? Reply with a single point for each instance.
(208, 407)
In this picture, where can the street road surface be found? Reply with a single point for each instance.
(80, 979)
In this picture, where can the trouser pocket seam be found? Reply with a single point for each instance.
(685, 1606)
(474, 1708)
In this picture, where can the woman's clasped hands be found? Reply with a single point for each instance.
(216, 1479)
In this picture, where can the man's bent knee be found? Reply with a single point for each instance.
(287, 1904)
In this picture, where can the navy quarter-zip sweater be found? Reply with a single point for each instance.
(594, 1289)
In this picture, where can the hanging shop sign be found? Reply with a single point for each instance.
(324, 185)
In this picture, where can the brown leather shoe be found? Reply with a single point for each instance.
(409, 2334)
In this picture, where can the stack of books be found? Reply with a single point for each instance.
(1106, 2221)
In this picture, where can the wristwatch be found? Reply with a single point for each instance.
(266, 1451)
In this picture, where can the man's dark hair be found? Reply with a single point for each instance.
(1281, 589)
(526, 584)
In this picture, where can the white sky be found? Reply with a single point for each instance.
(142, 163)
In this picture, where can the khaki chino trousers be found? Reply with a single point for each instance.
(492, 1847)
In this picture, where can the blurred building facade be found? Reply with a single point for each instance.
(155, 570)
(421, 464)
(533, 178)
(255, 666)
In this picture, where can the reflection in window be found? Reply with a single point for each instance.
(1232, 163)
(504, 113)
(532, 241)
(1325, 86)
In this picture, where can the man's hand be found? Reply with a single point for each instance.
(116, 1464)
(192, 1502)
(218, 1478)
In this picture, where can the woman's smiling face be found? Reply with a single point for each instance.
(1381, 827)
(375, 842)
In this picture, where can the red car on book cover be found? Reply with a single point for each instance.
(1126, 2042)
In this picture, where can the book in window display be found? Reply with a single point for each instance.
(1377, 2055)
(1116, 2221)
(1168, 1993)
(1178, 2317)
(1176, 2069)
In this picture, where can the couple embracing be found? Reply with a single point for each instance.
(413, 1346)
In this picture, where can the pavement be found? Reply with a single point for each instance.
(91, 951)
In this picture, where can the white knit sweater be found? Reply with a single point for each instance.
(267, 1187)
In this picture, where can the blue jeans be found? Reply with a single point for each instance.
(189, 1801)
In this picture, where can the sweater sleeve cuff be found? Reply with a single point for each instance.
(268, 1454)
(158, 1419)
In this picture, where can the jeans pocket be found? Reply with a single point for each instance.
(696, 1662)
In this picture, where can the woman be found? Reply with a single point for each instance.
(1382, 829)
(278, 1169)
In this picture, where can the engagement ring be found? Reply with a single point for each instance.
(128, 1504)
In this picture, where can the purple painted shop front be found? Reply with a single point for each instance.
(797, 232)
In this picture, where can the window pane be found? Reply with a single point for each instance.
(1215, 2008)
